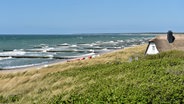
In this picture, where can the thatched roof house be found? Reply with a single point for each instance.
(161, 43)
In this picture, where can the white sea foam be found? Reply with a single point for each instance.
(73, 46)
(12, 53)
(50, 50)
(4, 58)
(24, 66)
(40, 49)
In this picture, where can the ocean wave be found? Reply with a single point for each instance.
(24, 66)
(12, 53)
(5, 58)
(71, 47)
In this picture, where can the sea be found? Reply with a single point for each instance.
(20, 51)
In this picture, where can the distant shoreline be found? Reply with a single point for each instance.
(88, 33)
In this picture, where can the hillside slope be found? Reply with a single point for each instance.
(109, 78)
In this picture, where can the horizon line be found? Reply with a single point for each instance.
(88, 33)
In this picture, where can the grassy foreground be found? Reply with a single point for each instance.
(109, 78)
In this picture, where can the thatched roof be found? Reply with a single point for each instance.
(162, 43)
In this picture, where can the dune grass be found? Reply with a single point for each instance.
(110, 78)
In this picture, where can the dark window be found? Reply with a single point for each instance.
(153, 47)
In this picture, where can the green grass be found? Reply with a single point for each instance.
(151, 79)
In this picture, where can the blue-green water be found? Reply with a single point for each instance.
(28, 50)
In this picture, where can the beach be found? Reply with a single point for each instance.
(67, 62)
(33, 78)
(91, 52)
(35, 50)
(83, 80)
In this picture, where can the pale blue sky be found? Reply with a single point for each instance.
(90, 16)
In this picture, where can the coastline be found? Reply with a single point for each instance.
(42, 66)
(31, 67)
(110, 71)
(28, 53)
(58, 78)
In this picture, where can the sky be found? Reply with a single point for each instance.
(90, 16)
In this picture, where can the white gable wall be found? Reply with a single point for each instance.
(152, 49)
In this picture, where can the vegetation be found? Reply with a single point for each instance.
(110, 78)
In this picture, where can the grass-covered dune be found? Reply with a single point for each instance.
(110, 78)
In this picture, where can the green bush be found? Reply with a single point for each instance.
(149, 80)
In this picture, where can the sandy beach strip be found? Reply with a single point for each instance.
(43, 66)
(37, 67)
